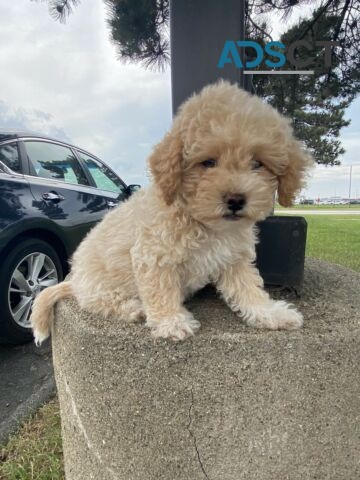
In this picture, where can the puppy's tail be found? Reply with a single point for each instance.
(42, 316)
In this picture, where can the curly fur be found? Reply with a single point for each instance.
(172, 238)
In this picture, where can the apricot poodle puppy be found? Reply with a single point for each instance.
(214, 175)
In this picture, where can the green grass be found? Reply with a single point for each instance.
(35, 452)
(334, 238)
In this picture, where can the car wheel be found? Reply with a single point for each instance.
(30, 267)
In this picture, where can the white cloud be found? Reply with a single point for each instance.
(30, 120)
(334, 181)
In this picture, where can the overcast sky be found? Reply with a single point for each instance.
(65, 80)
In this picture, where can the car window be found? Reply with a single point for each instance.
(55, 161)
(9, 156)
(103, 177)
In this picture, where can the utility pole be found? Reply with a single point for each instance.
(199, 29)
(350, 182)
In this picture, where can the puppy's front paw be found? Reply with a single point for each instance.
(136, 316)
(278, 315)
(177, 327)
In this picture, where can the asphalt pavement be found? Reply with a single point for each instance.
(26, 383)
(320, 211)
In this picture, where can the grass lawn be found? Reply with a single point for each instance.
(35, 453)
(334, 238)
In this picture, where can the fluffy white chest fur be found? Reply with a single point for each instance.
(205, 264)
(198, 254)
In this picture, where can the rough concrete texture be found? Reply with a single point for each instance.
(231, 403)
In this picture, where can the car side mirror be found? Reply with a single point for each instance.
(130, 189)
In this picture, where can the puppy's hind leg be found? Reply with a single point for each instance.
(113, 304)
(131, 310)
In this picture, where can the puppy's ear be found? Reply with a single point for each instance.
(293, 179)
(166, 165)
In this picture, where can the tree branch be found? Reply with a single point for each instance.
(255, 25)
(342, 16)
(316, 18)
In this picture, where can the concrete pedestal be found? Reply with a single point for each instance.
(230, 404)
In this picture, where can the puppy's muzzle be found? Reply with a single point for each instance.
(235, 202)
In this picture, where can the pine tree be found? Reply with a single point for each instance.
(316, 103)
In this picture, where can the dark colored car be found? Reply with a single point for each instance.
(51, 195)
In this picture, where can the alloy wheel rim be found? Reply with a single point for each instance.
(32, 274)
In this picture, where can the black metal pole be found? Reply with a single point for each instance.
(199, 29)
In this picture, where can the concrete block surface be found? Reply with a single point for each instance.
(231, 403)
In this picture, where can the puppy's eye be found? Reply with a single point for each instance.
(256, 164)
(209, 163)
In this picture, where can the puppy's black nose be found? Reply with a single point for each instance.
(235, 201)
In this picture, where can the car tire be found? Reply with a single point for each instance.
(26, 270)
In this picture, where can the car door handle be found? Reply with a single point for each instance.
(111, 204)
(53, 197)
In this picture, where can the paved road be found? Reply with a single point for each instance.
(26, 382)
(319, 212)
